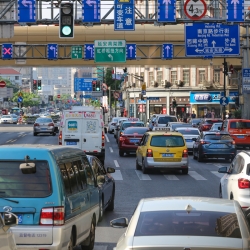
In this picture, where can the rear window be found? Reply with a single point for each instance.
(218, 137)
(132, 130)
(166, 119)
(189, 131)
(198, 223)
(167, 141)
(6, 116)
(43, 120)
(174, 126)
(240, 125)
(212, 121)
(14, 183)
(132, 124)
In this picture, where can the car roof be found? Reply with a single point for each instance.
(216, 132)
(132, 122)
(183, 203)
(189, 128)
(170, 123)
(157, 132)
(162, 115)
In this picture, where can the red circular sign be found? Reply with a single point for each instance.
(195, 9)
(2, 84)
(104, 86)
(116, 95)
(58, 96)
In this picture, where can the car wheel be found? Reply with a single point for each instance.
(121, 153)
(137, 166)
(144, 170)
(185, 171)
(111, 205)
(35, 134)
(199, 157)
(71, 242)
(220, 193)
(194, 156)
(91, 237)
(101, 211)
(54, 133)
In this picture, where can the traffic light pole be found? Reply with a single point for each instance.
(225, 73)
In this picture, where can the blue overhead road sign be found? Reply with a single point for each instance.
(124, 15)
(7, 51)
(91, 11)
(89, 51)
(167, 51)
(166, 11)
(235, 10)
(52, 51)
(26, 11)
(224, 101)
(83, 84)
(131, 51)
(212, 39)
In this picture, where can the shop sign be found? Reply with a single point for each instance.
(203, 97)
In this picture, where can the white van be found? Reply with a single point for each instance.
(83, 127)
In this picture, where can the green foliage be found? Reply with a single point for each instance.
(27, 99)
(10, 85)
(95, 103)
(63, 97)
(237, 114)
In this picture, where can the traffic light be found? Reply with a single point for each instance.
(174, 104)
(98, 85)
(93, 85)
(39, 84)
(34, 84)
(66, 20)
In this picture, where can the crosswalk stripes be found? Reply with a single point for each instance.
(217, 173)
(171, 177)
(196, 176)
(142, 177)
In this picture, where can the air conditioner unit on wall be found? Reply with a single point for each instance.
(152, 83)
(163, 83)
(176, 82)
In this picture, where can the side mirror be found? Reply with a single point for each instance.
(110, 170)
(223, 170)
(119, 222)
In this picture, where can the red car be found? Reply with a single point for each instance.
(207, 123)
(130, 139)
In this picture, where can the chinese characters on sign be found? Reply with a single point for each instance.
(246, 80)
(124, 18)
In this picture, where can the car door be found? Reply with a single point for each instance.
(140, 149)
(196, 143)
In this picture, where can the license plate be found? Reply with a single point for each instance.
(189, 140)
(20, 218)
(240, 136)
(71, 143)
(167, 155)
(218, 146)
(134, 140)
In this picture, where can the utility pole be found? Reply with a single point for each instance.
(224, 89)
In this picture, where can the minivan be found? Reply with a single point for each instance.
(53, 192)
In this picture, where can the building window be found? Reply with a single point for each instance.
(151, 76)
(202, 75)
(16, 77)
(186, 76)
(217, 75)
(173, 76)
(159, 77)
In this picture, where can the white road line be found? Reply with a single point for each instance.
(171, 178)
(9, 141)
(218, 165)
(117, 175)
(217, 174)
(23, 135)
(111, 150)
(142, 177)
(13, 140)
(107, 139)
(196, 176)
(116, 163)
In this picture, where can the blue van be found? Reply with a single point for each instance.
(53, 192)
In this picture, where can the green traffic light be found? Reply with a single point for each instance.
(66, 30)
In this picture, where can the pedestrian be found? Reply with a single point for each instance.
(208, 115)
(212, 114)
(193, 115)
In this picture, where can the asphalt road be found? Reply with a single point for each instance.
(131, 185)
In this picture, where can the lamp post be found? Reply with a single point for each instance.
(224, 88)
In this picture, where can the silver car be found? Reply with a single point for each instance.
(163, 120)
(44, 125)
(8, 119)
(185, 223)
(112, 125)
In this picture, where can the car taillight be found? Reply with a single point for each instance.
(60, 138)
(204, 142)
(51, 124)
(103, 139)
(121, 133)
(122, 138)
(243, 183)
(185, 153)
(149, 153)
(36, 124)
(233, 142)
(52, 216)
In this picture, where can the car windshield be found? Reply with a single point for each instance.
(188, 131)
(15, 183)
(196, 120)
(240, 125)
(43, 120)
(166, 119)
(211, 121)
(167, 141)
(216, 125)
(115, 120)
(134, 130)
(132, 124)
(6, 116)
(218, 136)
(195, 223)
(174, 126)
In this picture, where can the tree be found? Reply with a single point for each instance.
(27, 99)
(10, 85)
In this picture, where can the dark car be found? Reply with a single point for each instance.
(195, 122)
(128, 142)
(106, 184)
(207, 123)
(44, 125)
(212, 144)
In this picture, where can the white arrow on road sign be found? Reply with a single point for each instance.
(25, 3)
(89, 3)
(167, 48)
(166, 7)
(53, 48)
(91, 50)
(131, 50)
(110, 56)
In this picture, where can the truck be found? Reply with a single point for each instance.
(83, 127)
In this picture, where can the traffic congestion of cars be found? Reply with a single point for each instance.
(162, 223)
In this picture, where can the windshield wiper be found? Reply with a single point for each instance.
(2, 192)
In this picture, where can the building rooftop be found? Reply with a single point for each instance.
(9, 72)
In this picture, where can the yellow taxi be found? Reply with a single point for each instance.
(161, 149)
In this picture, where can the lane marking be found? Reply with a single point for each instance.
(116, 163)
(107, 139)
(9, 141)
(23, 135)
(220, 175)
(13, 140)
(171, 177)
(111, 150)
(196, 176)
(117, 175)
(142, 177)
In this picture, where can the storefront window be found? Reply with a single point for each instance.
(186, 76)
(216, 75)
(202, 76)
(157, 109)
(159, 76)
(151, 76)
(173, 76)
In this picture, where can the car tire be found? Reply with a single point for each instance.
(137, 166)
(220, 193)
(185, 171)
(194, 156)
(101, 210)
(91, 238)
(111, 205)
(34, 134)
(144, 170)
(121, 153)
(71, 242)
(54, 133)
(199, 157)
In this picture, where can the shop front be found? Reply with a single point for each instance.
(183, 107)
(202, 102)
(157, 105)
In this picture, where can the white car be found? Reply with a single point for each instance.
(189, 133)
(112, 124)
(8, 119)
(216, 126)
(235, 184)
(185, 223)
(163, 120)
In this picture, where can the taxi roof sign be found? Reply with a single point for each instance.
(133, 119)
(161, 129)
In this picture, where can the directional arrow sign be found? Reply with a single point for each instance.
(167, 51)
(131, 51)
(235, 10)
(52, 51)
(166, 11)
(26, 11)
(224, 101)
(89, 51)
(91, 11)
